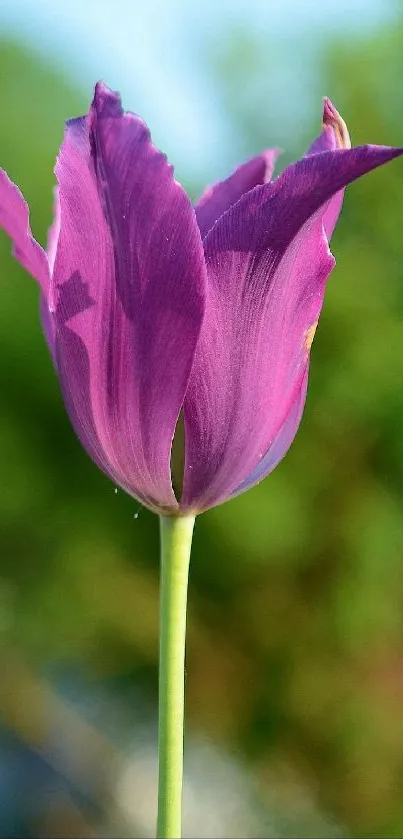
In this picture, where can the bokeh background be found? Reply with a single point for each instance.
(295, 641)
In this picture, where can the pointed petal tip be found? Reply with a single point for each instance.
(270, 157)
(384, 154)
(332, 118)
(106, 102)
(102, 88)
(272, 154)
(14, 220)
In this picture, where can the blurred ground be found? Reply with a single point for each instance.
(295, 650)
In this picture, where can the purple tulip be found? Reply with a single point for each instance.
(154, 309)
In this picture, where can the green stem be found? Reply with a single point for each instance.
(176, 542)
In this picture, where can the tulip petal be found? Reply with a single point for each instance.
(333, 130)
(129, 289)
(267, 262)
(280, 444)
(334, 135)
(47, 304)
(14, 219)
(222, 195)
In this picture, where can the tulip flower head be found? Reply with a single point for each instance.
(159, 314)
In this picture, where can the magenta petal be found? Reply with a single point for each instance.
(267, 261)
(129, 287)
(222, 195)
(332, 212)
(47, 304)
(334, 135)
(281, 443)
(14, 219)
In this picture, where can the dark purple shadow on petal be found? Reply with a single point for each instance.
(126, 277)
(74, 299)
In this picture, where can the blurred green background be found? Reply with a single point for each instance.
(295, 640)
